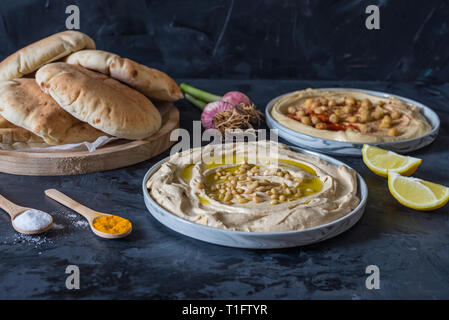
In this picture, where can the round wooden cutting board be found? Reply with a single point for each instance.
(117, 154)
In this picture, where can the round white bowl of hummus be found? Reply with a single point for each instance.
(339, 121)
(255, 195)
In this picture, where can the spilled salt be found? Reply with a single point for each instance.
(32, 220)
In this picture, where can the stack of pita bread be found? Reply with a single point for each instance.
(60, 90)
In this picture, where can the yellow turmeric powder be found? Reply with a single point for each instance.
(111, 224)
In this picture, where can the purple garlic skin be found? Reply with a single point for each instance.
(235, 98)
(211, 109)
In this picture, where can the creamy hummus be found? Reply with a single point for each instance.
(351, 116)
(241, 188)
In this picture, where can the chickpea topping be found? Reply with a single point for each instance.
(288, 191)
(254, 185)
(364, 110)
(366, 103)
(240, 191)
(257, 199)
(249, 191)
(279, 174)
(350, 101)
(274, 197)
(386, 122)
(242, 200)
(332, 103)
(308, 102)
(377, 115)
(306, 121)
(321, 126)
(274, 202)
(339, 112)
(273, 191)
(227, 197)
(380, 103)
(348, 109)
(319, 110)
(291, 109)
(363, 128)
(396, 115)
(315, 120)
(379, 110)
(315, 105)
(323, 101)
(352, 119)
(282, 198)
(300, 113)
(287, 176)
(393, 132)
(334, 118)
(365, 116)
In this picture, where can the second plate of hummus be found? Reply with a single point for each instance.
(255, 195)
(340, 121)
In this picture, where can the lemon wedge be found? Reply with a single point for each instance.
(381, 161)
(416, 193)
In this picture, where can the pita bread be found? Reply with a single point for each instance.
(35, 55)
(151, 82)
(13, 137)
(99, 100)
(24, 104)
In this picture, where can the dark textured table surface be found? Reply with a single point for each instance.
(410, 248)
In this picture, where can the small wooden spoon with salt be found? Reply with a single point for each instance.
(86, 212)
(15, 211)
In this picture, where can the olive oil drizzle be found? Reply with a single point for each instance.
(307, 186)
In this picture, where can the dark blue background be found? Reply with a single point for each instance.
(319, 39)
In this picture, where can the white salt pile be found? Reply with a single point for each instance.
(32, 220)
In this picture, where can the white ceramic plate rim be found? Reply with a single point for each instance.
(361, 187)
(421, 106)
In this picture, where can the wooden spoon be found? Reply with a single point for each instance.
(86, 212)
(14, 211)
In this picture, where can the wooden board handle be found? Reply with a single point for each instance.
(86, 212)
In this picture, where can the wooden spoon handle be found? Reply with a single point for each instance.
(11, 208)
(86, 212)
